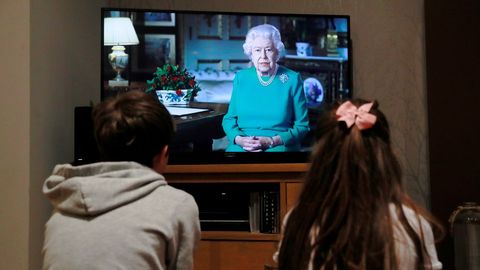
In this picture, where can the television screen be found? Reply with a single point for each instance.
(241, 100)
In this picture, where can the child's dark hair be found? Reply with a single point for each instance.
(133, 126)
(353, 181)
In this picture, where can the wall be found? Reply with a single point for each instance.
(14, 133)
(52, 65)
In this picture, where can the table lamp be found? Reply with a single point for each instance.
(118, 31)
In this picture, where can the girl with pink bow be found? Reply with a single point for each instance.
(353, 211)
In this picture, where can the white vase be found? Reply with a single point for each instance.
(171, 97)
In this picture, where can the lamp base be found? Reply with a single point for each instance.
(118, 60)
(115, 83)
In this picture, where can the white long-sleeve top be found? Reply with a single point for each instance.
(404, 246)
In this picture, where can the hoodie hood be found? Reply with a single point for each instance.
(93, 189)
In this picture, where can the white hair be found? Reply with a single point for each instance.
(266, 31)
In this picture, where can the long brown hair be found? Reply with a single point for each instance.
(353, 179)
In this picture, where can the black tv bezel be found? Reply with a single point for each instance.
(211, 158)
(189, 158)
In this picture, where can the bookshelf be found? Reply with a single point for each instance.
(225, 248)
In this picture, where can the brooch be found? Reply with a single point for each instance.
(283, 78)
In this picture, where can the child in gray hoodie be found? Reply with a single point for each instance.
(121, 213)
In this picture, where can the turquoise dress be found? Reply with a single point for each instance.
(277, 109)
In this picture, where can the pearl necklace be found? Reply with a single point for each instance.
(267, 83)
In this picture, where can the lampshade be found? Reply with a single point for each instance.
(119, 31)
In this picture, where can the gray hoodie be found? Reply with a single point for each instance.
(118, 215)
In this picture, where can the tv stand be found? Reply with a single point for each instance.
(229, 247)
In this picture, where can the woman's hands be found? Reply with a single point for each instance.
(255, 143)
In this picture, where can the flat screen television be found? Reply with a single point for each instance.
(209, 45)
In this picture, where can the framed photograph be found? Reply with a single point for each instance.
(155, 50)
(159, 19)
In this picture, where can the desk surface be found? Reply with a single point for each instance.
(201, 127)
(215, 110)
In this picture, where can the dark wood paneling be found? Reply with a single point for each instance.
(453, 92)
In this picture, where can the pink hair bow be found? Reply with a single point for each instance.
(360, 116)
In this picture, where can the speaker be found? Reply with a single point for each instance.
(85, 147)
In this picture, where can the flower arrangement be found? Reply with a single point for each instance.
(174, 77)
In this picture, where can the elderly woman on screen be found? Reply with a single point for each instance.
(268, 110)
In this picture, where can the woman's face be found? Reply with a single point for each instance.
(264, 55)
